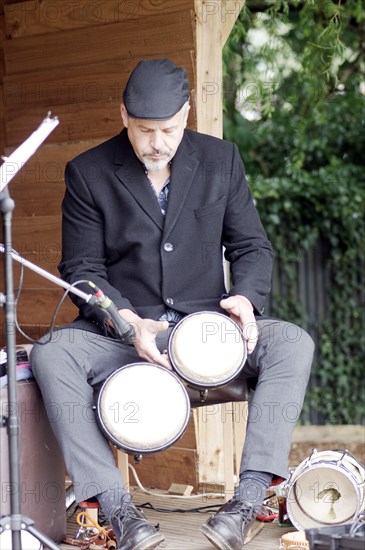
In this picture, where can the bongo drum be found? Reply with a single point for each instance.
(326, 489)
(143, 408)
(207, 349)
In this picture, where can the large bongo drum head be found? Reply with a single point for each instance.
(143, 408)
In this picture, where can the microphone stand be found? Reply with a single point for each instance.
(89, 298)
(15, 521)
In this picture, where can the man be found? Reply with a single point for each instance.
(145, 216)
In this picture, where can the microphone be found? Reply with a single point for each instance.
(123, 329)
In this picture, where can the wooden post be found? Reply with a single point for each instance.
(214, 22)
(122, 462)
(219, 433)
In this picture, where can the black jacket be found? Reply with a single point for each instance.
(115, 235)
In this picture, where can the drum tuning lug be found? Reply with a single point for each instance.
(314, 452)
(137, 459)
(203, 395)
(287, 482)
(344, 453)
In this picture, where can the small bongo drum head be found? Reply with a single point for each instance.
(207, 349)
(143, 408)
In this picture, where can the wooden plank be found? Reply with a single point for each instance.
(38, 199)
(33, 280)
(36, 307)
(182, 530)
(2, 65)
(155, 471)
(228, 445)
(180, 489)
(78, 122)
(2, 27)
(38, 188)
(160, 470)
(2, 71)
(39, 236)
(34, 17)
(38, 240)
(122, 463)
(78, 84)
(49, 159)
(239, 433)
(2, 121)
(210, 445)
(118, 41)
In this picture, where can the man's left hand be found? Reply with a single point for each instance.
(241, 311)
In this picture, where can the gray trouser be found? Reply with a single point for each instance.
(74, 364)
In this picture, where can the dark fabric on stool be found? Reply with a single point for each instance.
(237, 390)
(42, 471)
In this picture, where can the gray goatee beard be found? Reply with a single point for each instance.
(154, 166)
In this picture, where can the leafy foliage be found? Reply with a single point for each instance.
(295, 106)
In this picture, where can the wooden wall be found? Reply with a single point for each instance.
(71, 58)
(2, 108)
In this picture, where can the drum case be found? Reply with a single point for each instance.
(42, 472)
(337, 537)
(234, 391)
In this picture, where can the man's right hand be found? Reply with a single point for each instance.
(146, 332)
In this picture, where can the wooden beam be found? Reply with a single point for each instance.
(214, 22)
(219, 436)
(113, 42)
(230, 12)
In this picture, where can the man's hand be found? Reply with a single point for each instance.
(240, 310)
(146, 332)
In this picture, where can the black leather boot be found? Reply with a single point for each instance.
(228, 528)
(133, 529)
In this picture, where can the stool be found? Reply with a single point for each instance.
(42, 471)
(220, 471)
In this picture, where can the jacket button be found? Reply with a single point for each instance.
(169, 301)
(168, 247)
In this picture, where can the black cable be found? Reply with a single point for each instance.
(200, 509)
(55, 313)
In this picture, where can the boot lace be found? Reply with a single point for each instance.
(246, 510)
(122, 514)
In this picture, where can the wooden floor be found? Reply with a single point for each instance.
(182, 529)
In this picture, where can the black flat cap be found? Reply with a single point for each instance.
(156, 90)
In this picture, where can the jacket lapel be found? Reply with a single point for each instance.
(183, 169)
(129, 171)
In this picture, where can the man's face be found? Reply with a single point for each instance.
(155, 142)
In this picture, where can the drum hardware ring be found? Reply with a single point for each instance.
(350, 476)
(205, 367)
(131, 408)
